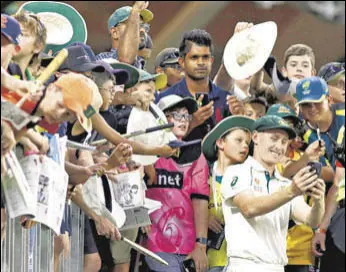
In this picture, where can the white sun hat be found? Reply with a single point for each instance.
(247, 51)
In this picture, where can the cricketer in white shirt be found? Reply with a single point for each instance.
(261, 240)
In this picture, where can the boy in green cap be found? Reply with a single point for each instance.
(227, 144)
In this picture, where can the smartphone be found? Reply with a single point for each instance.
(205, 100)
(189, 266)
(315, 166)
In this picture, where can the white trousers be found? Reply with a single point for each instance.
(246, 266)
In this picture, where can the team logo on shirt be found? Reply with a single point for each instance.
(234, 181)
(257, 186)
(167, 179)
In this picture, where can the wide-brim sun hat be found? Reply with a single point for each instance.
(63, 22)
(230, 123)
(247, 51)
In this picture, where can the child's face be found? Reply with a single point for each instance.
(298, 67)
(180, 118)
(254, 110)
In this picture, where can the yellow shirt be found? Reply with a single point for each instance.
(299, 236)
(217, 257)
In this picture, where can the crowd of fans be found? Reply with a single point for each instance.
(263, 189)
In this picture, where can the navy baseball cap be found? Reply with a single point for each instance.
(79, 61)
(121, 15)
(332, 71)
(311, 90)
(12, 29)
(121, 75)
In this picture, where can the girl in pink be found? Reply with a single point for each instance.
(179, 229)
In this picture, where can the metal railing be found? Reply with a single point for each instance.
(32, 250)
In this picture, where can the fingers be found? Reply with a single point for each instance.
(215, 225)
(318, 243)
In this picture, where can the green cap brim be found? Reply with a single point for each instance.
(71, 14)
(227, 124)
(133, 72)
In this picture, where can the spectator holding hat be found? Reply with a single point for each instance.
(334, 74)
(179, 229)
(128, 27)
(314, 103)
(258, 202)
(226, 144)
(167, 62)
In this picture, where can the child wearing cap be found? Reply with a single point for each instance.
(226, 144)
(258, 202)
(334, 74)
(314, 104)
(179, 229)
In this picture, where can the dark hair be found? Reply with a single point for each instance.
(197, 36)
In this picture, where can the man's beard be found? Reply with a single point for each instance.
(196, 78)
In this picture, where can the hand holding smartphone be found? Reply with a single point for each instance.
(205, 100)
(189, 266)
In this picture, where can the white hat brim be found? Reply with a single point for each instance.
(264, 36)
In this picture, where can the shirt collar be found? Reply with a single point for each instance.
(212, 87)
(260, 168)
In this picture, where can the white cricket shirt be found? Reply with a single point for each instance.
(261, 239)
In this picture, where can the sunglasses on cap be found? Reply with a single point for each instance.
(332, 70)
(172, 55)
(175, 66)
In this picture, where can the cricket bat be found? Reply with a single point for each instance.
(47, 73)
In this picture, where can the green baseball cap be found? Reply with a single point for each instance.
(160, 79)
(271, 122)
(121, 15)
(226, 125)
(283, 111)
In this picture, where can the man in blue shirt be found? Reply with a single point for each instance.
(315, 105)
(128, 29)
(196, 59)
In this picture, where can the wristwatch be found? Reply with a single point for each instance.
(203, 241)
(321, 230)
